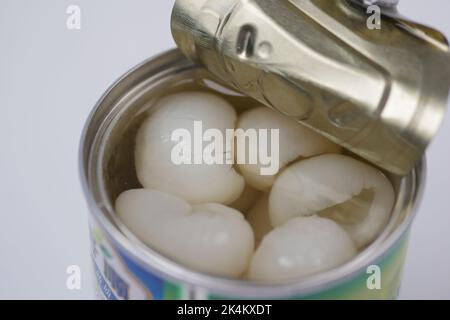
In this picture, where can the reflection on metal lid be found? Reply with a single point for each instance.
(379, 93)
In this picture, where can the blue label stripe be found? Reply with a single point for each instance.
(152, 283)
(103, 284)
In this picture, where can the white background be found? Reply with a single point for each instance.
(50, 78)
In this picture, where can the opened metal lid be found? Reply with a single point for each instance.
(380, 93)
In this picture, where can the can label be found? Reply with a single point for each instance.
(120, 278)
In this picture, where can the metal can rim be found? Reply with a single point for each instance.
(172, 271)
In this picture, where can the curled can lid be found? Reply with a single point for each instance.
(380, 93)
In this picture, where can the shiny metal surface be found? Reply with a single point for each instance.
(382, 3)
(379, 93)
(106, 126)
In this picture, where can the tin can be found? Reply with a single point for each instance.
(125, 268)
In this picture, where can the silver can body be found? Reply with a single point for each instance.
(127, 269)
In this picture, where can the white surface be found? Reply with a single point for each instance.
(50, 78)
